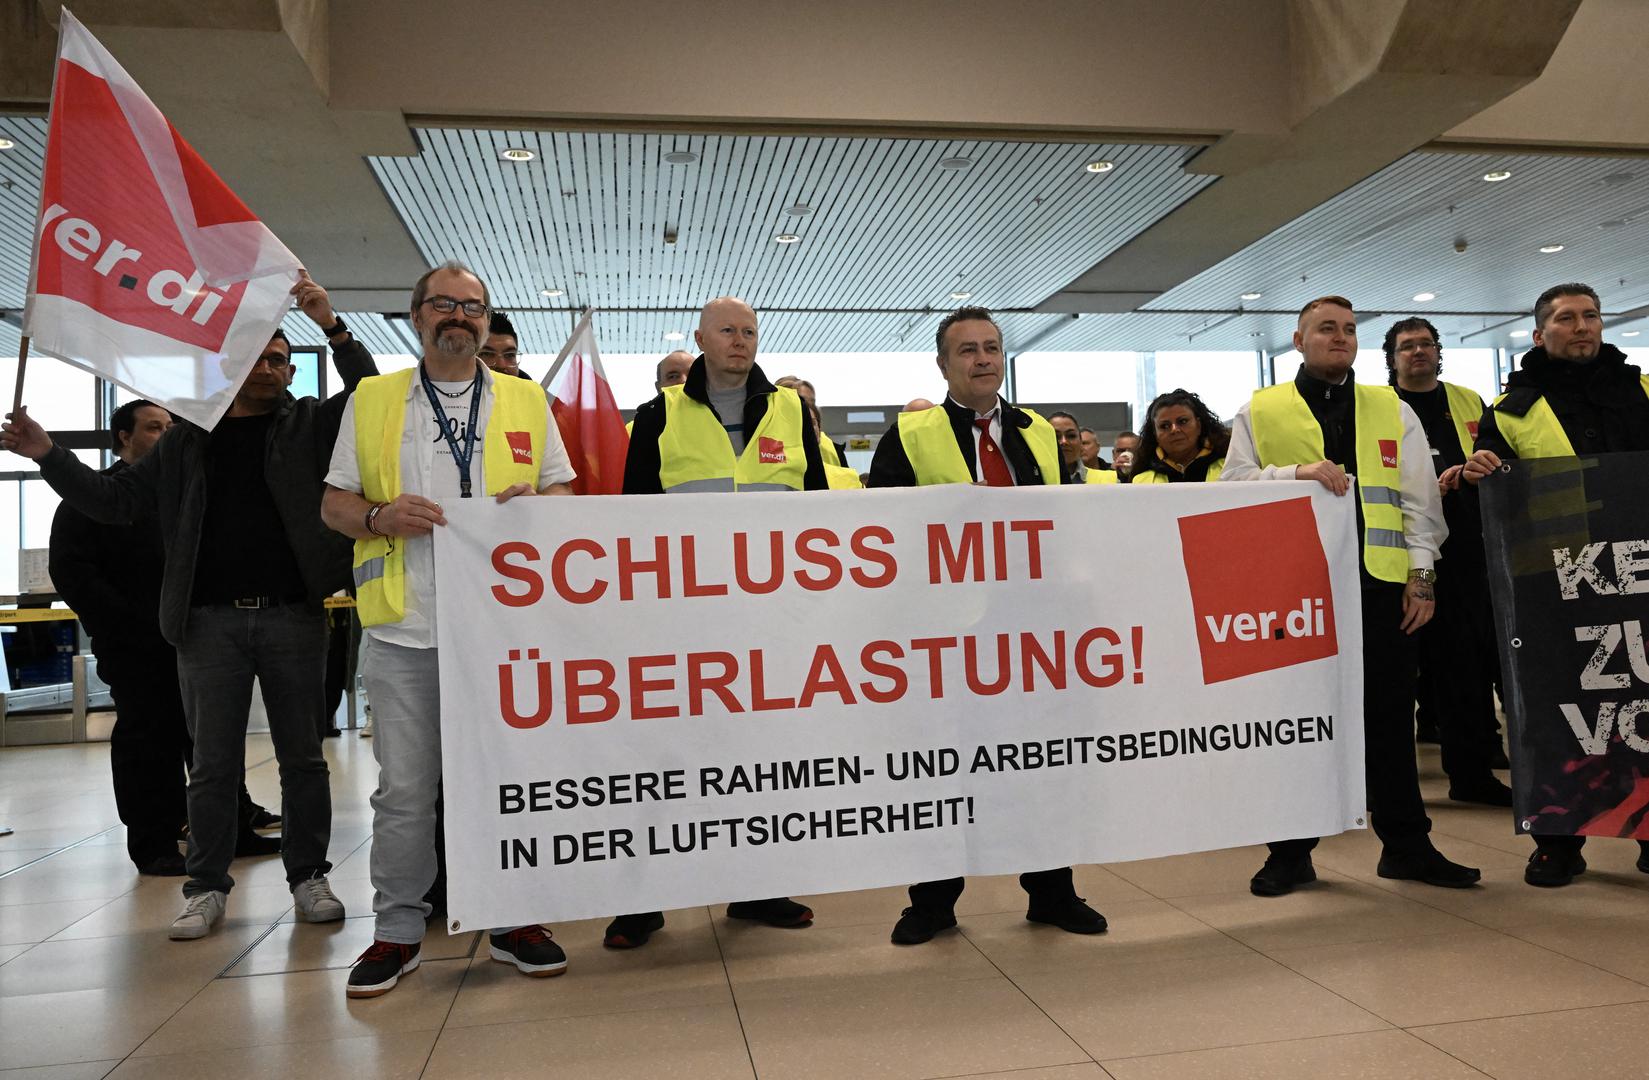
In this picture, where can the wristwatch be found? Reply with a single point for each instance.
(1427, 576)
(336, 328)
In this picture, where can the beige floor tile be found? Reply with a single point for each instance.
(304, 1006)
(400, 1056)
(84, 873)
(12, 857)
(1138, 1009)
(1619, 944)
(824, 960)
(24, 923)
(683, 1044)
(1141, 931)
(1600, 1044)
(878, 907)
(1374, 1055)
(1188, 875)
(1333, 911)
(679, 968)
(131, 963)
(149, 910)
(84, 1070)
(1085, 1071)
(937, 1028)
(1468, 976)
(1503, 900)
(82, 1025)
(321, 946)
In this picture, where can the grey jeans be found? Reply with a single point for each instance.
(284, 648)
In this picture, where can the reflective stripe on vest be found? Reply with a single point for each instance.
(1538, 433)
(512, 449)
(1465, 409)
(935, 458)
(695, 453)
(1157, 476)
(1286, 433)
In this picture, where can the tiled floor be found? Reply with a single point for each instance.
(1353, 977)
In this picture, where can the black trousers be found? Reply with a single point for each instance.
(1457, 672)
(1043, 886)
(148, 749)
(1390, 662)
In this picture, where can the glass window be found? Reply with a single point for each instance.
(59, 396)
(1077, 377)
(1224, 380)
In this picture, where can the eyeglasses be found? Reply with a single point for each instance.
(274, 360)
(494, 354)
(446, 305)
(1416, 346)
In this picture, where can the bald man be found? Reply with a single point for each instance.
(672, 370)
(725, 429)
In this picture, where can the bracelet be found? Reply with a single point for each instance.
(371, 515)
(1427, 576)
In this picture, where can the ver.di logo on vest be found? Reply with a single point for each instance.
(770, 451)
(1260, 590)
(1388, 453)
(520, 443)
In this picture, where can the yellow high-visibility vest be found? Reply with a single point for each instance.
(519, 409)
(930, 445)
(695, 453)
(1465, 409)
(1285, 433)
(827, 450)
(842, 478)
(1157, 476)
(1101, 476)
(1538, 433)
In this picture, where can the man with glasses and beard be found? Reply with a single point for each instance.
(449, 429)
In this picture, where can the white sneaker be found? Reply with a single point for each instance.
(200, 913)
(366, 725)
(315, 901)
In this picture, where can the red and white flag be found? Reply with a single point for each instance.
(587, 414)
(147, 270)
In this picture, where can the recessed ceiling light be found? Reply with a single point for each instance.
(1100, 166)
(675, 335)
(1550, 249)
(551, 294)
(1630, 333)
(786, 238)
(1618, 178)
(6, 144)
(1497, 176)
(1520, 333)
(516, 154)
(798, 210)
(960, 295)
(681, 157)
(1252, 295)
(1422, 297)
(955, 163)
(1613, 223)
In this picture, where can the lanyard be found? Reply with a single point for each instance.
(466, 455)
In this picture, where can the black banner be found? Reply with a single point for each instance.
(1568, 551)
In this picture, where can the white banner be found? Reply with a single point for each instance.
(654, 702)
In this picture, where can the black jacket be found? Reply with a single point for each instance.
(891, 467)
(110, 575)
(1601, 404)
(641, 465)
(170, 483)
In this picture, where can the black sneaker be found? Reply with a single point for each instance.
(250, 844)
(1073, 916)
(1643, 856)
(1552, 868)
(780, 911)
(1428, 866)
(632, 931)
(377, 970)
(1279, 876)
(530, 949)
(1487, 791)
(263, 819)
(164, 866)
(918, 925)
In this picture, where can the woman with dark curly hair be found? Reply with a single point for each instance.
(1181, 440)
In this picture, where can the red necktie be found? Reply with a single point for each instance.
(991, 465)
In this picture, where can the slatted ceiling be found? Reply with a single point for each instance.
(20, 171)
(889, 228)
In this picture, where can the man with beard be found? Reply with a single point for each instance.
(248, 565)
(1572, 395)
(408, 442)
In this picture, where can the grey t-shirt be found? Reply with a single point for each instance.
(729, 406)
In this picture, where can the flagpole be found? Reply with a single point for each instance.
(22, 359)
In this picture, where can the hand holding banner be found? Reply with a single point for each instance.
(646, 711)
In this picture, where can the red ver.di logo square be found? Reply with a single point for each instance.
(1260, 589)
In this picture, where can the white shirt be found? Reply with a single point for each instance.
(1422, 506)
(428, 469)
(995, 416)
